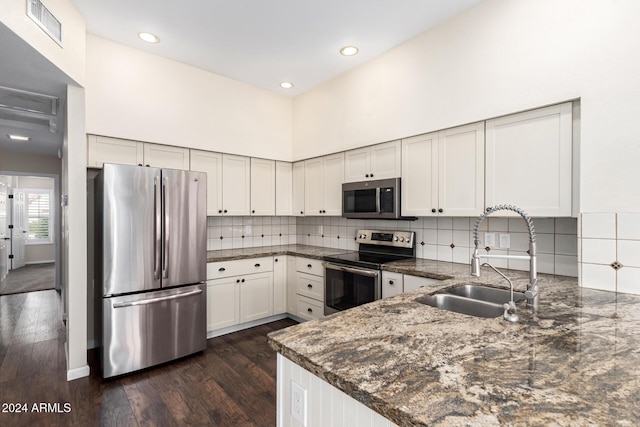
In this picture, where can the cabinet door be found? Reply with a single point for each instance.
(333, 178)
(313, 188)
(461, 171)
(528, 161)
(101, 150)
(284, 188)
(210, 163)
(236, 185)
(386, 160)
(357, 165)
(256, 296)
(166, 156)
(222, 303)
(411, 283)
(392, 284)
(263, 187)
(298, 189)
(279, 284)
(292, 287)
(420, 175)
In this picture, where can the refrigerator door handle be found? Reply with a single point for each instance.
(165, 228)
(154, 300)
(157, 260)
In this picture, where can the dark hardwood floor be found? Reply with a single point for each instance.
(231, 383)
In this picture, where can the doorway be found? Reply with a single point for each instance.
(29, 233)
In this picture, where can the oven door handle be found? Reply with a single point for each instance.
(360, 271)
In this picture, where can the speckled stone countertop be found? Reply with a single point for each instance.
(575, 363)
(315, 252)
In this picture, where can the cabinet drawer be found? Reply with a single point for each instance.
(411, 283)
(308, 308)
(311, 266)
(218, 270)
(310, 286)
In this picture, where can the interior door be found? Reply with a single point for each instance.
(19, 230)
(4, 236)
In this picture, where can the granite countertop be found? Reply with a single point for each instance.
(575, 363)
(314, 252)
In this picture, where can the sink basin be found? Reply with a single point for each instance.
(485, 293)
(459, 304)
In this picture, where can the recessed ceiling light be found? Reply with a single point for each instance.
(286, 85)
(19, 138)
(349, 50)
(148, 37)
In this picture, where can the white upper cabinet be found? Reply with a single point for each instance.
(263, 187)
(236, 185)
(284, 188)
(323, 178)
(102, 150)
(378, 161)
(443, 172)
(461, 171)
(298, 188)
(166, 156)
(210, 163)
(419, 175)
(529, 161)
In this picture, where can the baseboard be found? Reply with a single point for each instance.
(247, 325)
(53, 261)
(91, 344)
(74, 374)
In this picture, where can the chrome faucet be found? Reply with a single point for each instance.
(532, 288)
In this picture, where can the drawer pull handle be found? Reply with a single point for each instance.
(257, 265)
(309, 266)
(309, 310)
(222, 269)
(309, 286)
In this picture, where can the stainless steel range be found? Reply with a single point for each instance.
(354, 278)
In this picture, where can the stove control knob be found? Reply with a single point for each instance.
(395, 239)
(363, 236)
(402, 239)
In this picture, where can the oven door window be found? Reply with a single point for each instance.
(344, 290)
(359, 201)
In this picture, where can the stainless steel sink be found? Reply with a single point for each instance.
(472, 307)
(485, 293)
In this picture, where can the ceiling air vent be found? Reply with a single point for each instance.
(45, 19)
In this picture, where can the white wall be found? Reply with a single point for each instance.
(70, 57)
(135, 95)
(499, 57)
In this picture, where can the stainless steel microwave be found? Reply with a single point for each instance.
(375, 199)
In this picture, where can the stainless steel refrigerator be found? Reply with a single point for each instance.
(150, 265)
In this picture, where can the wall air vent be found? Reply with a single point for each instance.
(39, 13)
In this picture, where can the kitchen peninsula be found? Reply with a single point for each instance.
(574, 364)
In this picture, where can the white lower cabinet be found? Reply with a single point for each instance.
(280, 264)
(256, 296)
(411, 283)
(309, 285)
(222, 303)
(392, 284)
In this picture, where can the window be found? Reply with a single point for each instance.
(39, 216)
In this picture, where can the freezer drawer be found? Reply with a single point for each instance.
(146, 329)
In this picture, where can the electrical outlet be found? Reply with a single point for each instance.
(490, 239)
(299, 403)
(505, 240)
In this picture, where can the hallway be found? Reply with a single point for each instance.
(34, 277)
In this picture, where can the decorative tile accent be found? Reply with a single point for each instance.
(452, 246)
(616, 265)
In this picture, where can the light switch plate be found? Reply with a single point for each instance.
(490, 239)
(299, 403)
(505, 240)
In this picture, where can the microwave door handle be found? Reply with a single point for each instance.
(378, 199)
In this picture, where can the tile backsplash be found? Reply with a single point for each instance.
(451, 239)
(233, 232)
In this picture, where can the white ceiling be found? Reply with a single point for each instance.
(265, 42)
(259, 42)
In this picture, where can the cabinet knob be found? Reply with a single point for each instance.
(275, 260)
(433, 210)
(301, 212)
(139, 164)
(242, 280)
(320, 211)
(257, 265)
(366, 176)
(310, 286)
(391, 282)
(253, 211)
(371, 175)
(225, 211)
(440, 210)
(309, 265)
(237, 280)
(219, 210)
(221, 269)
(309, 310)
(147, 165)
